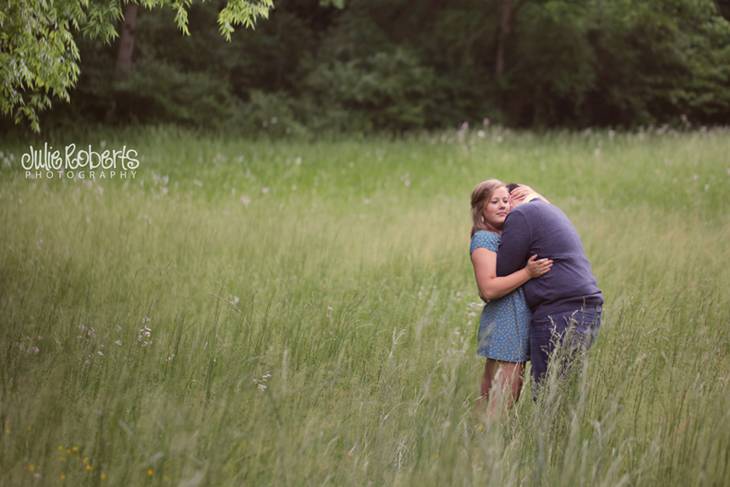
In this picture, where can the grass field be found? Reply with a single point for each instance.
(304, 313)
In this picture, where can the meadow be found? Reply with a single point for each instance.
(303, 312)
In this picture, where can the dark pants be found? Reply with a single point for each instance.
(574, 331)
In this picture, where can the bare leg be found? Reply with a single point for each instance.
(501, 385)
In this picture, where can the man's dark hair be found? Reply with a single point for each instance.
(511, 187)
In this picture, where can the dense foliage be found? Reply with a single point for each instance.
(39, 55)
(400, 65)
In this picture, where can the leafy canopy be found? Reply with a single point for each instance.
(39, 57)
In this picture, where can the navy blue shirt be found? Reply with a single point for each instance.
(540, 228)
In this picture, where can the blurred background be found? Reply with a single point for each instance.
(393, 65)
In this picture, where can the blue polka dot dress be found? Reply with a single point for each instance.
(503, 326)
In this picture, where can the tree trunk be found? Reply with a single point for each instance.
(126, 40)
(723, 8)
(506, 14)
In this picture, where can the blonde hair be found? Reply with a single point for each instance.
(479, 196)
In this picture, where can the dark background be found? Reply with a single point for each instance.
(395, 66)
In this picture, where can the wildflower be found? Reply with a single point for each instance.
(30, 467)
(144, 336)
(245, 200)
(87, 331)
(265, 190)
(88, 467)
(261, 384)
(62, 476)
(150, 472)
(234, 300)
(102, 476)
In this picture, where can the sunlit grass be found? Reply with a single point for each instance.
(303, 312)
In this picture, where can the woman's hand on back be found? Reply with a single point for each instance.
(537, 267)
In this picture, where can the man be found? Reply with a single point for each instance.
(565, 302)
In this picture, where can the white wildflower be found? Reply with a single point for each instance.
(144, 335)
(261, 383)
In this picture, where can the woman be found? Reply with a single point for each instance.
(503, 325)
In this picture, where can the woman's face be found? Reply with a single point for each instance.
(497, 207)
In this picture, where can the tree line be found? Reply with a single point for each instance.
(398, 65)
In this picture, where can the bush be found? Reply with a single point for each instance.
(158, 91)
(384, 91)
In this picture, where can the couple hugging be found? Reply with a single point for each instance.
(537, 283)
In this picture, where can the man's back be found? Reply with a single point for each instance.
(543, 229)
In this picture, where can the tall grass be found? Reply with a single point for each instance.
(304, 312)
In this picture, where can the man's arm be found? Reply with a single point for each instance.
(515, 245)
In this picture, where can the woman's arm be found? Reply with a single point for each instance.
(493, 287)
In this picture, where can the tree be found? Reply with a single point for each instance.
(39, 57)
(126, 40)
(723, 8)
